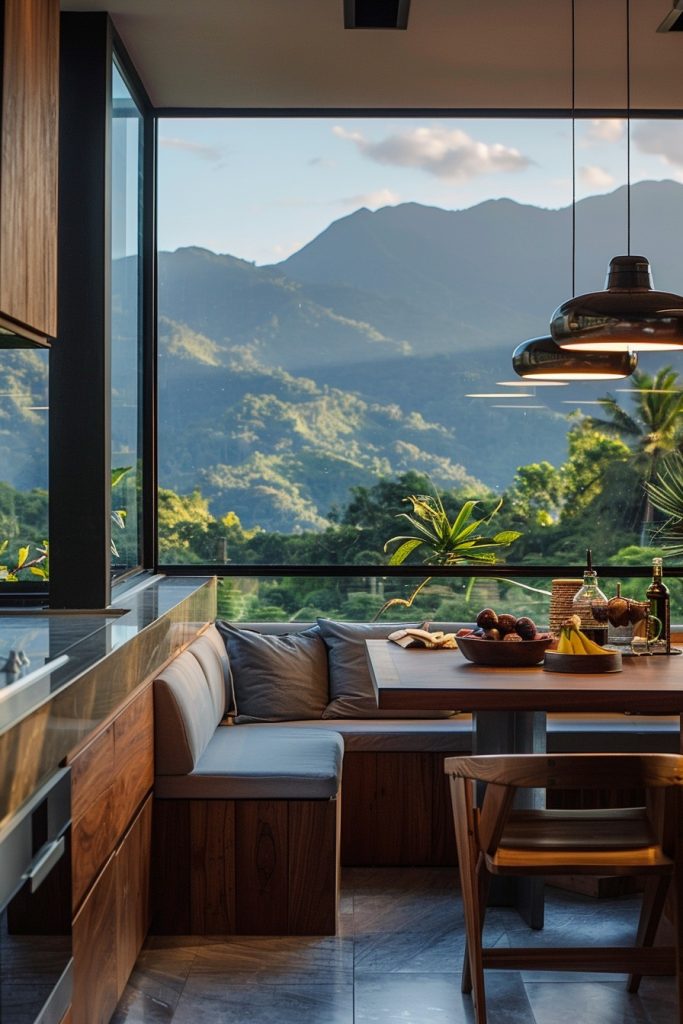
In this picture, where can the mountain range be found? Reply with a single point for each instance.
(282, 386)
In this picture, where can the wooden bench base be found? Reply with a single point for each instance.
(396, 810)
(245, 867)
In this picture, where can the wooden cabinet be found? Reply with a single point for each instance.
(111, 838)
(28, 167)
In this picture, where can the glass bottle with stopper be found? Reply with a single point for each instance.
(588, 601)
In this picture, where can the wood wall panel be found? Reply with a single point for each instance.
(94, 945)
(28, 164)
(314, 873)
(261, 865)
(212, 885)
(133, 861)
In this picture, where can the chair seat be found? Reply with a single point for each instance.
(616, 841)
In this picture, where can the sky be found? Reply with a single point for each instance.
(261, 188)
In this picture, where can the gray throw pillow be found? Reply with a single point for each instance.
(276, 678)
(351, 691)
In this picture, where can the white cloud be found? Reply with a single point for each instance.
(660, 138)
(595, 177)
(380, 197)
(210, 153)
(447, 153)
(603, 129)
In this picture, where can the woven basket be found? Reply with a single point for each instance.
(561, 598)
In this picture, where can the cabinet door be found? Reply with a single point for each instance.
(133, 861)
(94, 940)
(28, 165)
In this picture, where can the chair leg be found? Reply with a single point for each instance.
(467, 859)
(654, 899)
(484, 886)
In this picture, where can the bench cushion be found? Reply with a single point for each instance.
(276, 678)
(394, 735)
(261, 762)
(351, 691)
(186, 713)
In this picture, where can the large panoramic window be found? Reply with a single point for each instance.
(339, 299)
(126, 332)
(24, 462)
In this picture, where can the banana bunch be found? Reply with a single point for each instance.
(573, 641)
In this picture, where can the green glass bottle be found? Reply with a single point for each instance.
(658, 596)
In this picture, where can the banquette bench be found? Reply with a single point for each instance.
(251, 727)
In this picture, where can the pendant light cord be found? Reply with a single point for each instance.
(628, 127)
(573, 148)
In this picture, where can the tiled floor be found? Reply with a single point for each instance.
(397, 961)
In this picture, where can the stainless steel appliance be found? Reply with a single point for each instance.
(35, 908)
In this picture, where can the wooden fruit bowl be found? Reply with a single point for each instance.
(582, 663)
(503, 653)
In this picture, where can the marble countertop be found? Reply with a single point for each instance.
(41, 652)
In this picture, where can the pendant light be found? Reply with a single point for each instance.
(629, 314)
(542, 358)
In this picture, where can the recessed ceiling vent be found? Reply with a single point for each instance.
(376, 13)
(674, 19)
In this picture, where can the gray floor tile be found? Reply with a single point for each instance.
(211, 999)
(410, 999)
(397, 961)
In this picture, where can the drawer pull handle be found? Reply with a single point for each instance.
(44, 862)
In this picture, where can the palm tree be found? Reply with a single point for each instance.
(653, 430)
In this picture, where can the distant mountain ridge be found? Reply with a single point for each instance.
(282, 386)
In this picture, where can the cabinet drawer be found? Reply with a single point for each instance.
(133, 861)
(92, 770)
(93, 837)
(94, 944)
(133, 756)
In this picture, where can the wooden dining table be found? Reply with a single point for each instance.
(509, 705)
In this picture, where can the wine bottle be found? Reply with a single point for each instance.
(658, 596)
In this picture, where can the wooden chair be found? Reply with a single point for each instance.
(497, 840)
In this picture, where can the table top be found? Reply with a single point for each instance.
(419, 679)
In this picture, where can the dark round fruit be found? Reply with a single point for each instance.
(487, 618)
(507, 623)
(492, 634)
(515, 637)
(526, 628)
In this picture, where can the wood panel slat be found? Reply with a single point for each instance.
(28, 164)
(212, 882)
(172, 867)
(261, 865)
(359, 809)
(404, 825)
(133, 862)
(313, 868)
(94, 946)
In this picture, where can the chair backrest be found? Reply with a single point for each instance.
(571, 771)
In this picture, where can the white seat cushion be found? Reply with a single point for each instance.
(446, 735)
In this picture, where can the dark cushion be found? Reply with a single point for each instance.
(276, 678)
(351, 691)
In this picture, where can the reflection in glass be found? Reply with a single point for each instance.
(126, 334)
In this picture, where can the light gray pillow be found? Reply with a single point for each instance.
(276, 678)
(351, 691)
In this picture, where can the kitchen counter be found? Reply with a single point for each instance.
(63, 674)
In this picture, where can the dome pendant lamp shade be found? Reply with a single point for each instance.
(629, 315)
(542, 359)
